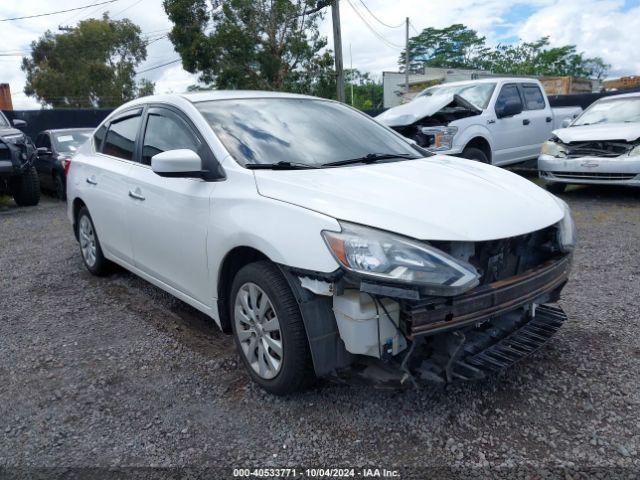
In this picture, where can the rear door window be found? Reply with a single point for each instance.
(533, 98)
(121, 137)
(509, 93)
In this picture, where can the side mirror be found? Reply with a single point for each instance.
(566, 122)
(180, 163)
(509, 109)
(19, 123)
(43, 151)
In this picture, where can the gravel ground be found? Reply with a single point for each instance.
(113, 372)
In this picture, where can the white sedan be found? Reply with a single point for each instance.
(602, 146)
(328, 244)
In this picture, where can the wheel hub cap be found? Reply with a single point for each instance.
(258, 330)
(87, 241)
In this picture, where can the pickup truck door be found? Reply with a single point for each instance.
(510, 134)
(538, 112)
(169, 217)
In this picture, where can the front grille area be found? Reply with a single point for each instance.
(598, 149)
(504, 258)
(592, 175)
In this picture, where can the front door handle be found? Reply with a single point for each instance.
(549, 119)
(136, 195)
(92, 181)
(526, 121)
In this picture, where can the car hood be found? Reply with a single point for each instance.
(413, 111)
(435, 198)
(605, 131)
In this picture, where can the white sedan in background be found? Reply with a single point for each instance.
(327, 243)
(602, 146)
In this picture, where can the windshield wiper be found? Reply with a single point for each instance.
(370, 158)
(279, 166)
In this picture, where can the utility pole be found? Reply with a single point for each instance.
(406, 58)
(337, 45)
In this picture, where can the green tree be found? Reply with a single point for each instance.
(367, 92)
(455, 46)
(92, 65)
(262, 44)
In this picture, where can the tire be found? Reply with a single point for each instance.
(60, 188)
(25, 188)
(96, 262)
(476, 154)
(294, 371)
(556, 188)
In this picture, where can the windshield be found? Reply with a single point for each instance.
(622, 110)
(478, 94)
(3, 120)
(70, 141)
(301, 131)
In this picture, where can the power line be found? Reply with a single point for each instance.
(57, 12)
(378, 20)
(373, 30)
(125, 9)
(159, 66)
(414, 28)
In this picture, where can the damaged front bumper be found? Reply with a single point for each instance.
(399, 337)
(593, 170)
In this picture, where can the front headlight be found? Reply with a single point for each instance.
(553, 149)
(635, 152)
(442, 137)
(566, 230)
(388, 257)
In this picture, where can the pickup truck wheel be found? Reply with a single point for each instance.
(555, 187)
(25, 188)
(474, 154)
(90, 249)
(268, 329)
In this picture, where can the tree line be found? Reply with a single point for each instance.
(263, 45)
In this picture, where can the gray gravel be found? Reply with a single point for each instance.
(111, 372)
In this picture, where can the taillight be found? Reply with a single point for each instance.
(66, 163)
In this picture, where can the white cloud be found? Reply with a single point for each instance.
(597, 28)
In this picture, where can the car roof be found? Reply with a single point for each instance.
(488, 80)
(620, 96)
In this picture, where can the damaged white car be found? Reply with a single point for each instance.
(494, 120)
(328, 244)
(602, 146)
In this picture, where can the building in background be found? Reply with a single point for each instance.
(5, 97)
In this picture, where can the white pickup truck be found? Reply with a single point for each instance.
(495, 120)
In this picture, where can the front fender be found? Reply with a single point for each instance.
(468, 133)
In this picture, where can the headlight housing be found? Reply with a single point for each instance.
(553, 149)
(567, 234)
(388, 257)
(635, 151)
(442, 137)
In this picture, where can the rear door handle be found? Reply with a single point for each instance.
(526, 121)
(136, 195)
(91, 181)
(549, 119)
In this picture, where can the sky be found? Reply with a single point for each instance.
(605, 28)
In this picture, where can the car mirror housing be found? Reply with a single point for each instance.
(43, 151)
(19, 123)
(182, 163)
(566, 122)
(509, 109)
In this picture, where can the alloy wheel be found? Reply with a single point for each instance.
(87, 241)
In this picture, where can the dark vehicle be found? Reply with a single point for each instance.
(18, 176)
(55, 149)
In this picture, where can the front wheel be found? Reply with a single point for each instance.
(475, 154)
(268, 329)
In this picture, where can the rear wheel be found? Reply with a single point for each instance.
(25, 188)
(59, 187)
(90, 249)
(268, 329)
(476, 154)
(555, 187)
